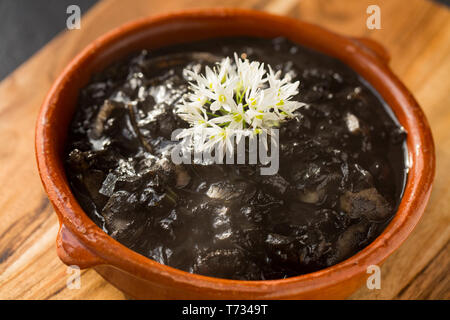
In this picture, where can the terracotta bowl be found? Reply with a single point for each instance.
(80, 242)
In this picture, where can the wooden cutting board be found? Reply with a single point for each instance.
(416, 34)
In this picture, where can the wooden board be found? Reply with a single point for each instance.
(417, 35)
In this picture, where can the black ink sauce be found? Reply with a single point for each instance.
(341, 177)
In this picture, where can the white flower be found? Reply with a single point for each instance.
(217, 86)
(220, 138)
(236, 100)
(194, 115)
(250, 76)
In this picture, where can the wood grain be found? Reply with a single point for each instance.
(417, 35)
(433, 282)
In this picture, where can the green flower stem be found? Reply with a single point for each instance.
(212, 114)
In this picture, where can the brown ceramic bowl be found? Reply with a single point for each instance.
(80, 242)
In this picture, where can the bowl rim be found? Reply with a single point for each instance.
(421, 160)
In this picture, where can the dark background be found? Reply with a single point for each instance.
(27, 25)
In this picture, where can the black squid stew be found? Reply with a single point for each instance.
(341, 171)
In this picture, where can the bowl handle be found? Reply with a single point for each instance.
(72, 252)
(374, 48)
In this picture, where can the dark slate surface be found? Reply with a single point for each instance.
(27, 25)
